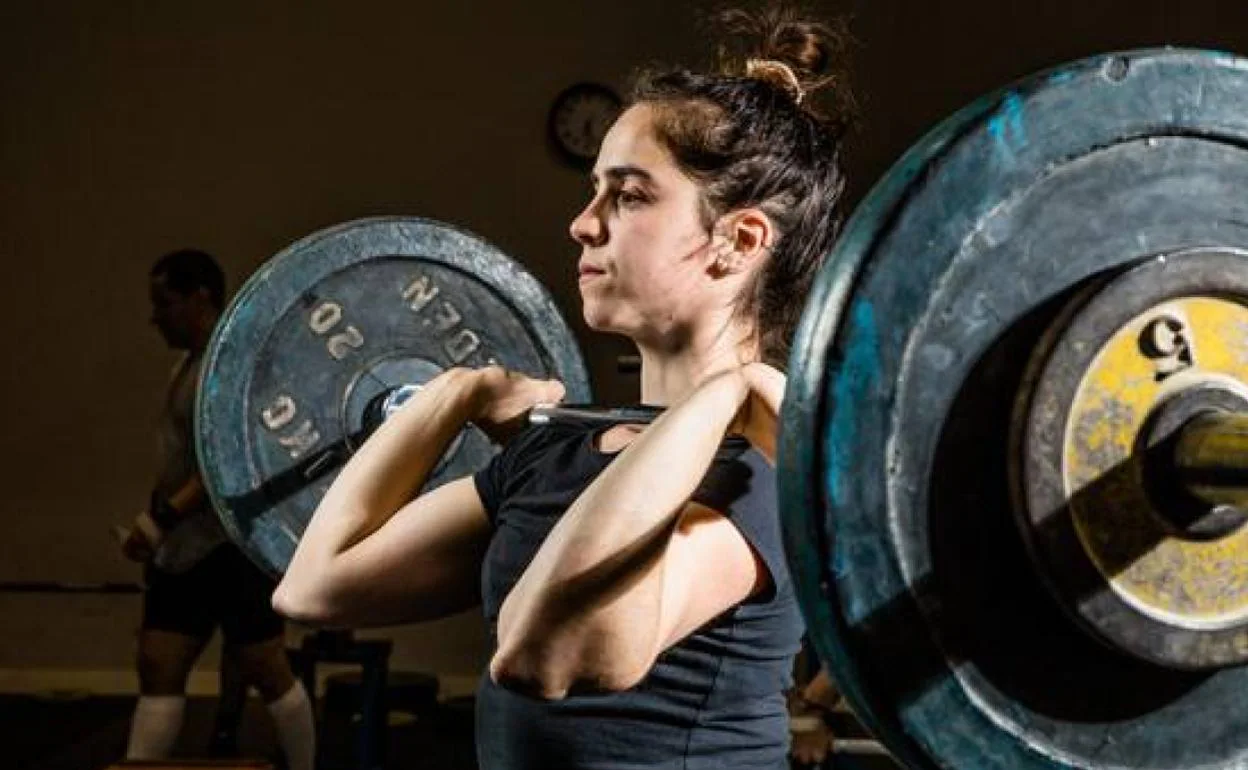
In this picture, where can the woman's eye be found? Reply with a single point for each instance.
(630, 197)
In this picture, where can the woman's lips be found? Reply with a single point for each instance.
(588, 272)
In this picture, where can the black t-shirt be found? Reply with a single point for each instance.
(714, 700)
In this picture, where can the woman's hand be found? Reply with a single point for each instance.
(758, 418)
(503, 399)
(812, 746)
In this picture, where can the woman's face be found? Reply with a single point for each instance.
(643, 266)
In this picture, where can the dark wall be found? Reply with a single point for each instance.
(918, 62)
(128, 129)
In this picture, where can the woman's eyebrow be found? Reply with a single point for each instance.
(620, 173)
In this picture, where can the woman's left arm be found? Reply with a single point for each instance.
(634, 566)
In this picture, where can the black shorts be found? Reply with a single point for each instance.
(224, 589)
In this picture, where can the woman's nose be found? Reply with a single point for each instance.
(587, 228)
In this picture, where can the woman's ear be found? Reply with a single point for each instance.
(741, 240)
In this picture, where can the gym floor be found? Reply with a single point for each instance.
(89, 733)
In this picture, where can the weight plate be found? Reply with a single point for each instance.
(1165, 333)
(323, 330)
(919, 592)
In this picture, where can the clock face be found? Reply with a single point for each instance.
(580, 117)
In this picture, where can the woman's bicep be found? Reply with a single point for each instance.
(423, 563)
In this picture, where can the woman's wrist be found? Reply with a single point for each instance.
(726, 391)
(471, 386)
(459, 387)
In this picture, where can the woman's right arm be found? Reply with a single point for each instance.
(371, 555)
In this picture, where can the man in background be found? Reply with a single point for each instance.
(195, 579)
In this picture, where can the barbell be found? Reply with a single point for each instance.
(1014, 448)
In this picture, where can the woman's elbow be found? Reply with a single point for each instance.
(524, 675)
(304, 605)
(551, 675)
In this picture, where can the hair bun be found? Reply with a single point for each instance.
(800, 56)
(778, 74)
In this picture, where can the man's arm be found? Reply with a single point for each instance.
(168, 512)
(139, 542)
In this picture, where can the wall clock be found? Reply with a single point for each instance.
(579, 118)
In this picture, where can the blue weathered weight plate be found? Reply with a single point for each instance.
(333, 322)
(918, 590)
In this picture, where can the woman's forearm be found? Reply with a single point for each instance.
(386, 472)
(592, 595)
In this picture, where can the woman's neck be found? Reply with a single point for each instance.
(667, 376)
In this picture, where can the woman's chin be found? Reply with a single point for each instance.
(610, 316)
(601, 322)
(593, 313)
(596, 322)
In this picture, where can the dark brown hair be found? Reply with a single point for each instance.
(752, 135)
(186, 270)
